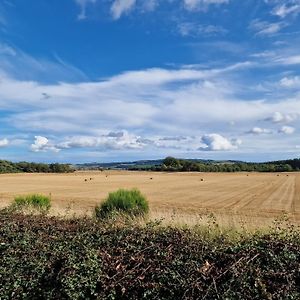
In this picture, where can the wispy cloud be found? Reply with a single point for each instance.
(19, 64)
(120, 7)
(289, 60)
(284, 10)
(83, 5)
(290, 82)
(195, 29)
(265, 28)
(202, 4)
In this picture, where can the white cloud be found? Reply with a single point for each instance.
(290, 82)
(19, 64)
(202, 4)
(4, 143)
(194, 29)
(83, 4)
(171, 102)
(289, 60)
(111, 141)
(264, 28)
(42, 144)
(120, 7)
(279, 117)
(284, 10)
(216, 142)
(258, 130)
(286, 130)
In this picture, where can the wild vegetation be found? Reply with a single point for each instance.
(30, 167)
(126, 202)
(51, 258)
(37, 202)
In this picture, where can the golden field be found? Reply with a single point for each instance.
(234, 198)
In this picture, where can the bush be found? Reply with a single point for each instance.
(35, 201)
(130, 202)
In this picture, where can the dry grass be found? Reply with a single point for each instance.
(255, 199)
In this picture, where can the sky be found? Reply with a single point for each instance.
(122, 80)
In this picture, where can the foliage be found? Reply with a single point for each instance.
(129, 202)
(183, 165)
(34, 201)
(29, 167)
(51, 258)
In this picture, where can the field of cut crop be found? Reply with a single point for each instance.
(244, 196)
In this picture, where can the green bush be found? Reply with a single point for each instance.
(35, 201)
(128, 202)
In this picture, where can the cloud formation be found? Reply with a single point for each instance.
(3, 143)
(279, 117)
(284, 10)
(202, 4)
(265, 28)
(216, 142)
(194, 29)
(120, 7)
(258, 130)
(42, 144)
(286, 130)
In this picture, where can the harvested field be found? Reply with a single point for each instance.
(257, 198)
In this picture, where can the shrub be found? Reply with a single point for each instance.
(128, 202)
(34, 201)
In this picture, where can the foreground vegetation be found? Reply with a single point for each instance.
(29, 167)
(49, 258)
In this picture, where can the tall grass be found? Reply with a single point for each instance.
(33, 201)
(126, 202)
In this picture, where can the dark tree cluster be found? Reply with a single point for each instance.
(29, 167)
(171, 164)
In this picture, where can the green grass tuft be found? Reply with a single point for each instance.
(125, 202)
(34, 201)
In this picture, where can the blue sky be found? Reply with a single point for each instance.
(113, 80)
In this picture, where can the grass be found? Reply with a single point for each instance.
(52, 258)
(125, 202)
(33, 201)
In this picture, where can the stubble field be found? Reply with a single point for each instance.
(234, 198)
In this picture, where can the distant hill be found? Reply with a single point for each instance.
(142, 164)
(120, 165)
(200, 165)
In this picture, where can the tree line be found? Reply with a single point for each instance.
(171, 164)
(30, 167)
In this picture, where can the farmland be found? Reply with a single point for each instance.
(256, 198)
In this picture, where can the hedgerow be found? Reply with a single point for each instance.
(49, 258)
